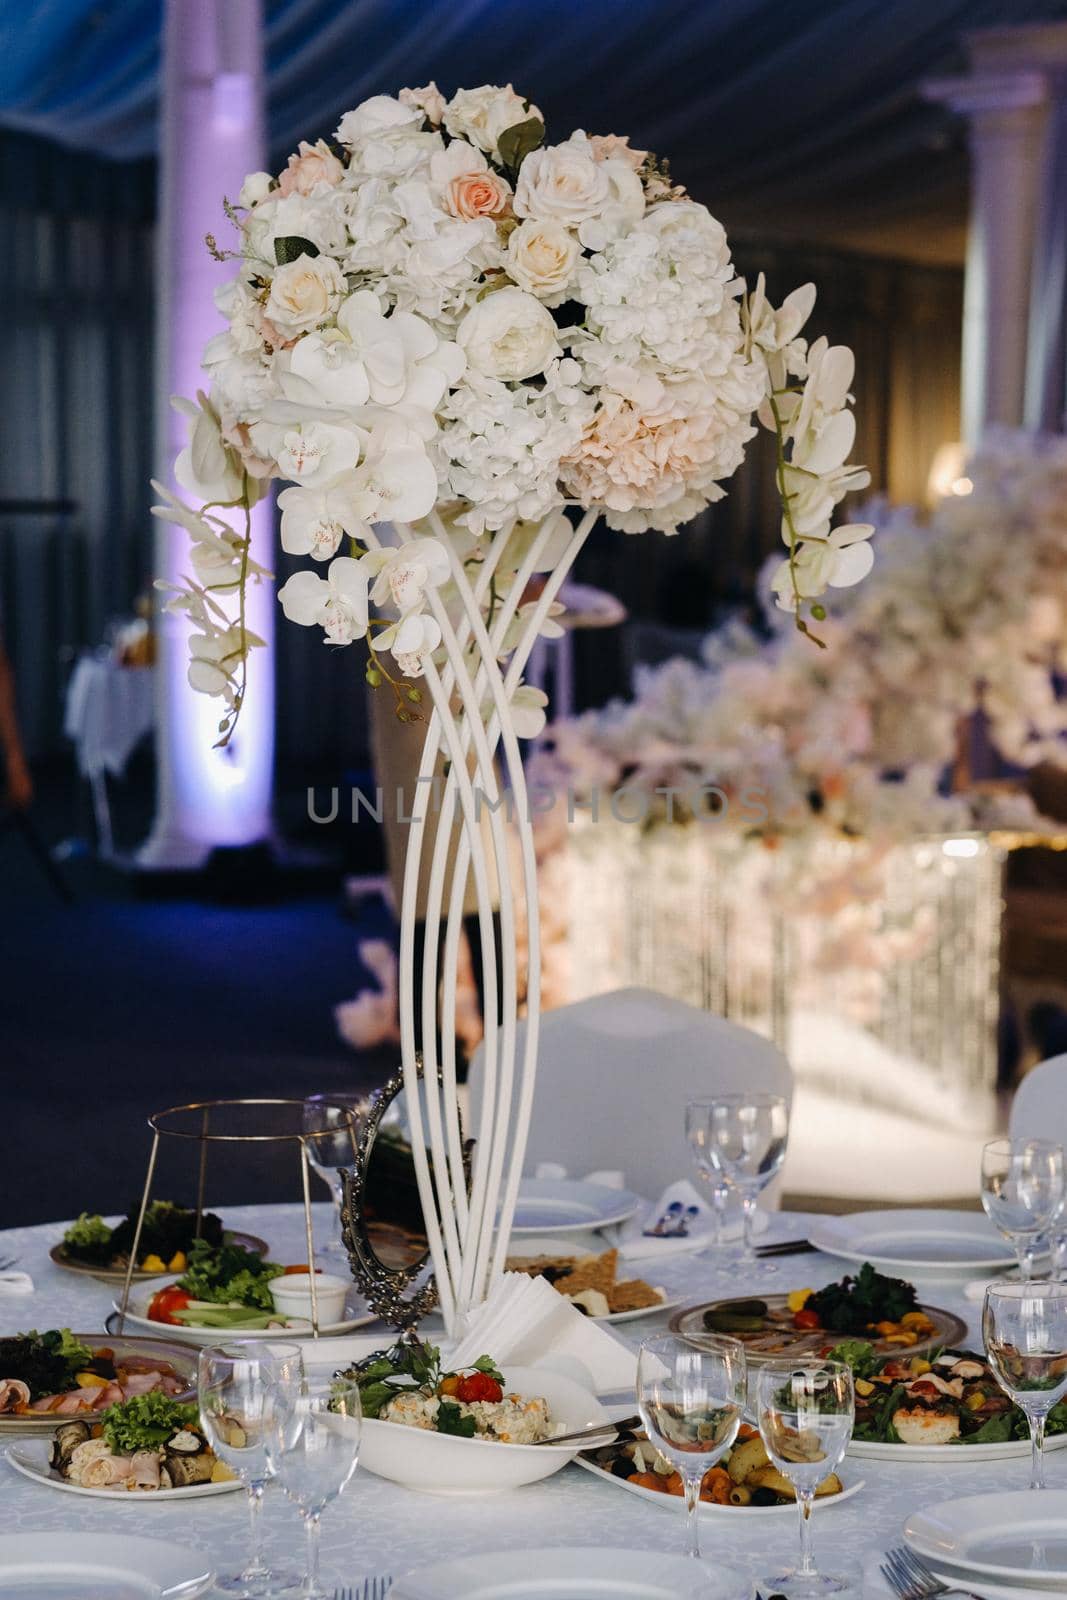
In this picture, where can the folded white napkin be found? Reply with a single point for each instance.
(526, 1323)
(652, 1233)
(15, 1283)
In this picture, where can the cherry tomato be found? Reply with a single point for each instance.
(479, 1386)
(806, 1319)
(165, 1302)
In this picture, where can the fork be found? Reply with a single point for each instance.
(12, 1261)
(371, 1589)
(912, 1579)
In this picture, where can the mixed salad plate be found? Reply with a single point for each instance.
(95, 1248)
(225, 1290)
(884, 1311)
(61, 1375)
(946, 1406)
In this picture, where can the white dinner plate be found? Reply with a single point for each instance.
(30, 1457)
(140, 1297)
(739, 1515)
(914, 1241)
(1006, 1450)
(564, 1205)
(556, 1575)
(98, 1566)
(1012, 1537)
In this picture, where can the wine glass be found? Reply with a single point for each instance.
(1025, 1330)
(315, 1449)
(324, 1116)
(1022, 1189)
(239, 1387)
(805, 1411)
(746, 1137)
(691, 1396)
(696, 1132)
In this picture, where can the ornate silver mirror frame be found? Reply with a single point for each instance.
(384, 1288)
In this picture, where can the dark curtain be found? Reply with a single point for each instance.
(76, 414)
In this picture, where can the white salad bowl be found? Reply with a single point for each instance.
(441, 1463)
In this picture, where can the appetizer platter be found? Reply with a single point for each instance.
(591, 1283)
(474, 1431)
(93, 1247)
(884, 1311)
(63, 1374)
(947, 1406)
(226, 1289)
(745, 1479)
(150, 1444)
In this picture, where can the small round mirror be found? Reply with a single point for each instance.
(382, 1216)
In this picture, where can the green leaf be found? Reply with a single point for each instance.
(487, 1365)
(450, 1419)
(374, 1396)
(995, 1431)
(516, 142)
(291, 247)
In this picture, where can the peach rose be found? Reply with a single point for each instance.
(313, 164)
(477, 194)
(616, 147)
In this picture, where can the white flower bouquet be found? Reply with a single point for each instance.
(441, 319)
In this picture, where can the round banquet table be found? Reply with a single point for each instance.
(378, 1528)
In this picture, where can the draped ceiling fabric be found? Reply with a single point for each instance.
(786, 101)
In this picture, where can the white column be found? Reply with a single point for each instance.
(212, 135)
(1006, 98)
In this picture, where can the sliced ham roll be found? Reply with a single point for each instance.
(141, 1383)
(99, 1399)
(93, 1465)
(143, 1470)
(13, 1394)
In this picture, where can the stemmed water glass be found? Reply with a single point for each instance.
(332, 1149)
(805, 1411)
(696, 1132)
(1022, 1190)
(691, 1396)
(1025, 1330)
(240, 1388)
(743, 1140)
(314, 1449)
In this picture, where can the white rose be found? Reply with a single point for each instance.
(429, 100)
(482, 115)
(541, 258)
(381, 114)
(625, 207)
(563, 182)
(305, 293)
(509, 335)
(686, 222)
(255, 188)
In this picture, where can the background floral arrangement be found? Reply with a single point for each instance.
(965, 612)
(441, 319)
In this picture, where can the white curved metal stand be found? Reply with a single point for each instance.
(471, 718)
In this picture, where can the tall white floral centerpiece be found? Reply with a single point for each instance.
(460, 345)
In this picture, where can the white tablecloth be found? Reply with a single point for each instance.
(377, 1528)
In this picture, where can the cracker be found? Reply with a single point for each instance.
(591, 1272)
(633, 1295)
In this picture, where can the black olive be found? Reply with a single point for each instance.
(764, 1497)
(622, 1467)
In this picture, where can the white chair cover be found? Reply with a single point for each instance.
(1039, 1110)
(614, 1073)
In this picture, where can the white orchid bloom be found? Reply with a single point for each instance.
(308, 451)
(840, 560)
(338, 603)
(410, 640)
(314, 521)
(398, 484)
(528, 707)
(214, 658)
(206, 468)
(403, 575)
